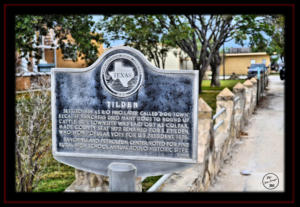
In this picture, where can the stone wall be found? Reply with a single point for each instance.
(214, 146)
(90, 182)
(35, 81)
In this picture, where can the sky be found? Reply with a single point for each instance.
(229, 44)
(121, 42)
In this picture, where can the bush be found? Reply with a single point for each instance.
(33, 137)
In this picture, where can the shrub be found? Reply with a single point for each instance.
(33, 137)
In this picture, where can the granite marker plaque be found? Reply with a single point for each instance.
(123, 109)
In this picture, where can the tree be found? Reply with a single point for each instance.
(186, 31)
(215, 69)
(239, 27)
(79, 27)
(274, 44)
(195, 35)
(139, 31)
(199, 36)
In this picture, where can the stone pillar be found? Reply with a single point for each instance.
(187, 180)
(248, 91)
(222, 138)
(239, 91)
(90, 182)
(204, 130)
(254, 93)
(224, 100)
(205, 142)
(196, 178)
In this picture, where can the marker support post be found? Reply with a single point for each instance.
(122, 177)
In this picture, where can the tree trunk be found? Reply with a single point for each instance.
(215, 69)
(200, 83)
(202, 69)
(215, 81)
(163, 62)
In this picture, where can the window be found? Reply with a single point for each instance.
(46, 43)
(252, 61)
(45, 67)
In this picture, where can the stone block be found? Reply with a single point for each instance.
(248, 84)
(225, 95)
(187, 180)
(253, 80)
(204, 110)
(238, 87)
(90, 182)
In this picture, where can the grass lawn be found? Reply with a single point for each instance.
(274, 73)
(210, 97)
(224, 83)
(209, 94)
(56, 178)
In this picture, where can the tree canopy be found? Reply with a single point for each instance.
(199, 36)
(79, 27)
(142, 32)
(275, 43)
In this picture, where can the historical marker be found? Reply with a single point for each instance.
(122, 109)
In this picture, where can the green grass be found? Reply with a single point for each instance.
(149, 181)
(209, 94)
(274, 73)
(210, 98)
(56, 177)
(224, 83)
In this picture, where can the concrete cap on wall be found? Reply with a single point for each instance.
(204, 110)
(248, 84)
(253, 80)
(238, 87)
(225, 94)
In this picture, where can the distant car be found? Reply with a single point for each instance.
(282, 73)
(253, 69)
(274, 67)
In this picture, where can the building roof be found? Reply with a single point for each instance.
(246, 54)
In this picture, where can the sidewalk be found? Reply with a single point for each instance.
(262, 150)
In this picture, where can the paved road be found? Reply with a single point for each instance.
(262, 150)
